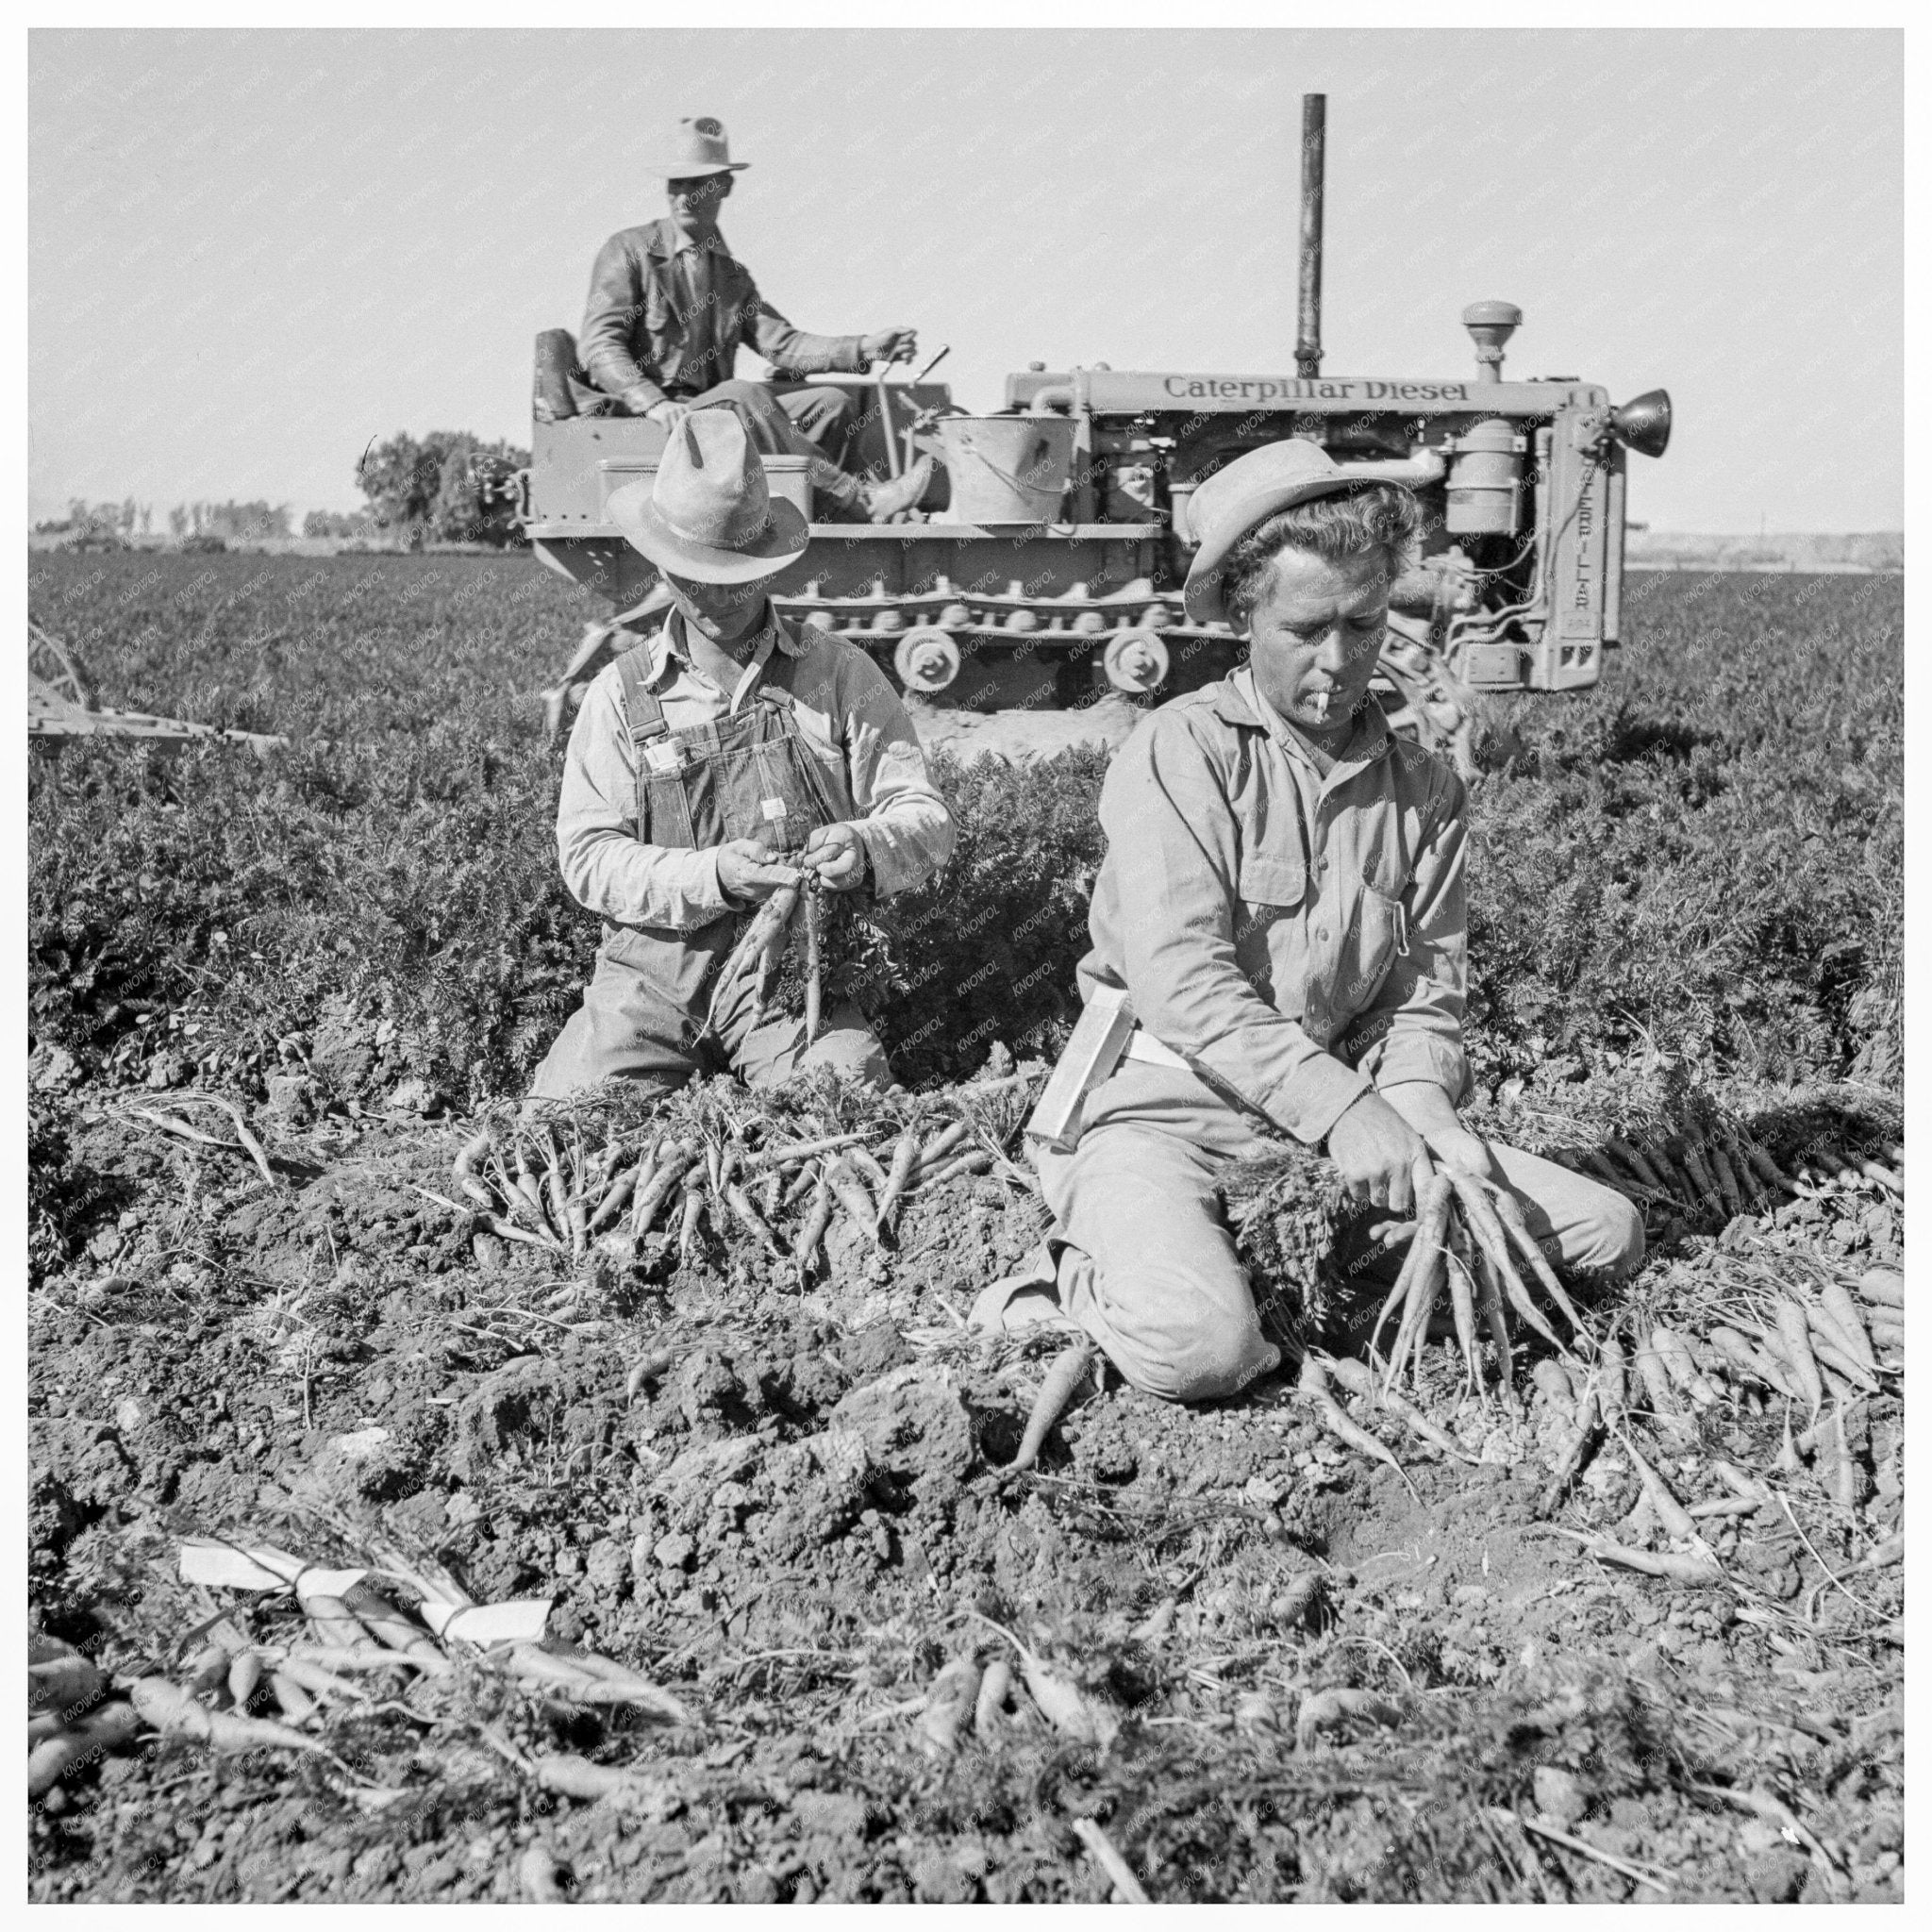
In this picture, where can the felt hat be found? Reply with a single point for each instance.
(1250, 490)
(697, 147)
(709, 514)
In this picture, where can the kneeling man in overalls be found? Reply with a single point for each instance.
(1282, 904)
(724, 756)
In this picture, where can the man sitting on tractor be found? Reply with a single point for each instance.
(669, 304)
(726, 757)
(1283, 903)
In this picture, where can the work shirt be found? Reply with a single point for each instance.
(1296, 938)
(666, 315)
(850, 718)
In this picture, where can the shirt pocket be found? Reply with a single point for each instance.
(1375, 937)
(1270, 891)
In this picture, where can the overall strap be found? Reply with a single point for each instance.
(775, 689)
(654, 751)
(641, 706)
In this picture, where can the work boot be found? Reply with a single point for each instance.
(885, 501)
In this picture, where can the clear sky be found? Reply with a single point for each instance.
(250, 253)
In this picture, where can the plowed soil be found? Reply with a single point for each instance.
(790, 1508)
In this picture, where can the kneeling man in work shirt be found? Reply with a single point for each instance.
(712, 763)
(1283, 901)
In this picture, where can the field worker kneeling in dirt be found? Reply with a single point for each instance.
(1283, 902)
(726, 756)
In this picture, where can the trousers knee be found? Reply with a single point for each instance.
(751, 402)
(1212, 1360)
(1612, 1242)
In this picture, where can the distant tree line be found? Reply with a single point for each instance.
(449, 488)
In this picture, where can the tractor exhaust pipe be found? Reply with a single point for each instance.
(1308, 348)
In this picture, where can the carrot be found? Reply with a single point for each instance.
(622, 1189)
(297, 1705)
(1840, 1472)
(307, 1676)
(1833, 1360)
(1634, 1159)
(1764, 1166)
(989, 1707)
(51, 1759)
(1462, 1312)
(1686, 1151)
(849, 1191)
(1670, 1513)
(688, 1224)
(1064, 1375)
(1508, 1211)
(388, 1626)
(1741, 1483)
(904, 1156)
(672, 1169)
(797, 1150)
(1612, 1378)
(1841, 1305)
(1679, 1364)
(814, 991)
(977, 1161)
(245, 1676)
(1496, 1320)
(463, 1170)
(860, 1158)
(61, 1682)
(741, 1204)
(763, 939)
(1795, 1334)
(1313, 1386)
(1753, 1361)
(1548, 1376)
(1486, 1224)
(556, 1192)
(947, 1705)
(1885, 1287)
(1673, 1568)
(1431, 1222)
(542, 1876)
(175, 1714)
(942, 1145)
(806, 1247)
(1726, 1179)
(1656, 1381)
(1359, 1379)
(1586, 1425)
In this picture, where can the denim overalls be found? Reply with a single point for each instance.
(749, 775)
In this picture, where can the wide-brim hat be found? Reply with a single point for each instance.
(1232, 501)
(709, 514)
(699, 146)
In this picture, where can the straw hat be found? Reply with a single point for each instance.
(1232, 501)
(699, 148)
(709, 514)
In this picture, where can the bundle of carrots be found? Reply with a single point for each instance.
(354, 1650)
(744, 1169)
(1721, 1169)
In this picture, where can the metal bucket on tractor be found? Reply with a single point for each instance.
(1043, 567)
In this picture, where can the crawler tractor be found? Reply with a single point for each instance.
(1043, 568)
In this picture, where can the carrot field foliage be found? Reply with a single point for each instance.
(1703, 857)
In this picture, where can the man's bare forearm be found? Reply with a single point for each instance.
(1426, 1107)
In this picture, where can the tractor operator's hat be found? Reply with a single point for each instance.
(699, 146)
(1232, 501)
(710, 514)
